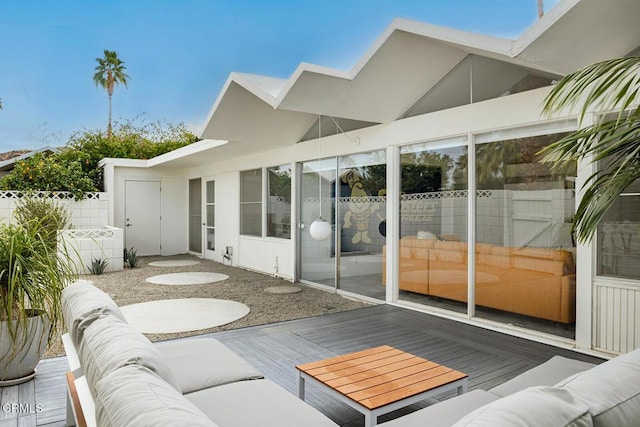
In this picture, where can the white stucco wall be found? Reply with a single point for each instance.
(174, 204)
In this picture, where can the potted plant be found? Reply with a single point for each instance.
(34, 269)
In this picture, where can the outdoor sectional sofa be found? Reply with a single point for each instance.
(537, 282)
(560, 392)
(119, 378)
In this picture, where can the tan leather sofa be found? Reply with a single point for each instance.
(537, 282)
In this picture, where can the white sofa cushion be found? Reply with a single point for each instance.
(109, 344)
(82, 303)
(135, 396)
(256, 403)
(611, 390)
(532, 407)
(445, 413)
(200, 363)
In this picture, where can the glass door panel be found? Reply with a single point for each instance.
(525, 263)
(195, 215)
(317, 260)
(362, 224)
(433, 267)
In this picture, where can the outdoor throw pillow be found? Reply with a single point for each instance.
(611, 390)
(532, 407)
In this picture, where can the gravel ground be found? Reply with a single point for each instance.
(129, 287)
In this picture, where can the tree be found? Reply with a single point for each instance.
(0, 104)
(110, 71)
(540, 9)
(610, 89)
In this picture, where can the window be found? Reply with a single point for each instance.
(525, 255)
(279, 202)
(251, 202)
(211, 215)
(619, 236)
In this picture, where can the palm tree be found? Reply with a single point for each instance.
(110, 71)
(611, 90)
(540, 8)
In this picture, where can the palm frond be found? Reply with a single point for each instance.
(604, 86)
(612, 142)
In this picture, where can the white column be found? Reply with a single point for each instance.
(393, 222)
(471, 225)
(585, 264)
(295, 220)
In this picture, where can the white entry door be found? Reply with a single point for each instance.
(142, 216)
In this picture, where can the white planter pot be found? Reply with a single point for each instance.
(18, 361)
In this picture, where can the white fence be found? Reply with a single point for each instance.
(86, 245)
(89, 236)
(92, 211)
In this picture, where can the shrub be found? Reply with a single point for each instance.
(98, 265)
(131, 257)
(45, 214)
(48, 172)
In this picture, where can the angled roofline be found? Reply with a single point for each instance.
(9, 162)
(187, 150)
(492, 46)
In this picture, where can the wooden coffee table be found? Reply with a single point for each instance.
(380, 380)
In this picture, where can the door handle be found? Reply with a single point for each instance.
(128, 225)
(301, 225)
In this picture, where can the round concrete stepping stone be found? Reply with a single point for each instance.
(187, 278)
(174, 263)
(182, 315)
(283, 290)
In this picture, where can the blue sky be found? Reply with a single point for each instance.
(179, 53)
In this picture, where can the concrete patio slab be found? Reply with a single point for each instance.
(283, 290)
(187, 278)
(182, 315)
(174, 263)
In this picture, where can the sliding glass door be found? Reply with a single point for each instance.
(317, 258)
(362, 223)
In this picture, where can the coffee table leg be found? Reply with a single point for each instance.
(370, 419)
(300, 386)
(463, 387)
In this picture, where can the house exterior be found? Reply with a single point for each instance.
(423, 158)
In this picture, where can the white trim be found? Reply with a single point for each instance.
(393, 227)
(471, 226)
(585, 256)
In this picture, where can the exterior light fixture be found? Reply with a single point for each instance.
(320, 229)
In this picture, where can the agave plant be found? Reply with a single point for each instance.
(611, 89)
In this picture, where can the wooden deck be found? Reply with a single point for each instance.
(489, 358)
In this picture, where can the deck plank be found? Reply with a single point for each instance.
(488, 357)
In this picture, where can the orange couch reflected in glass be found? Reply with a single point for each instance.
(536, 282)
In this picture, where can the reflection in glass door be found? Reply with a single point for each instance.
(362, 223)
(195, 216)
(317, 258)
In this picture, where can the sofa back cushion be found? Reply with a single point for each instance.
(82, 303)
(535, 407)
(135, 396)
(109, 344)
(611, 390)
